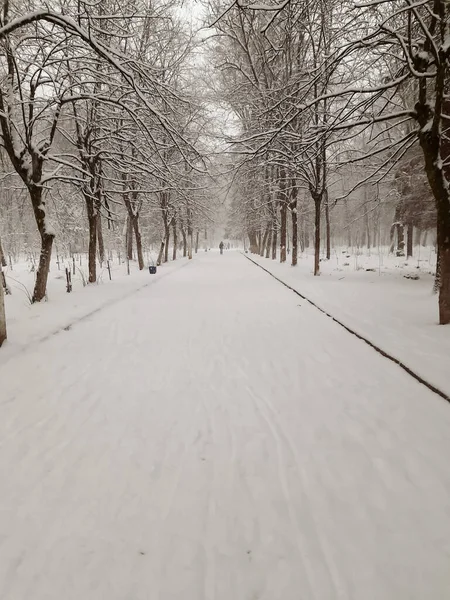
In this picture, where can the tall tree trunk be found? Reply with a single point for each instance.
(197, 235)
(264, 241)
(167, 241)
(258, 242)
(438, 179)
(327, 223)
(443, 240)
(368, 230)
(40, 286)
(190, 232)
(2, 255)
(183, 235)
(317, 211)
(161, 252)
(3, 334)
(437, 276)
(294, 215)
(175, 239)
(274, 239)
(409, 240)
(92, 251)
(392, 236)
(138, 237)
(347, 220)
(190, 242)
(283, 231)
(253, 242)
(101, 243)
(129, 245)
(400, 239)
(269, 242)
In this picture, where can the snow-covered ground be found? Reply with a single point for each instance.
(214, 437)
(28, 324)
(397, 313)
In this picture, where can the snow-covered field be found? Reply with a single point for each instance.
(213, 437)
(395, 312)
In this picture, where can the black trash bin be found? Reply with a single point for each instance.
(152, 270)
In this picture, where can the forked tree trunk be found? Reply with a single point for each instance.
(3, 335)
(40, 286)
(92, 250)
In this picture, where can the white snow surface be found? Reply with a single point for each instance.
(398, 315)
(214, 437)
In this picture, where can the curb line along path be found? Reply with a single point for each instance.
(377, 348)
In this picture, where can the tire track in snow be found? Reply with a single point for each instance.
(274, 421)
(175, 486)
(378, 349)
(209, 591)
(282, 476)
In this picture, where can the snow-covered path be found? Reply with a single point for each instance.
(214, 438)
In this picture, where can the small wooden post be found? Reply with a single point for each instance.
(68, 280)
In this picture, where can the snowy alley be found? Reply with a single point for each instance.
(214, 437)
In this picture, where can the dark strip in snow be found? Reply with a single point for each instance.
(398, 362)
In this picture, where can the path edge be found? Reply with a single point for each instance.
(374, 346)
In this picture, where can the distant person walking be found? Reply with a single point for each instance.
(221, 247)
